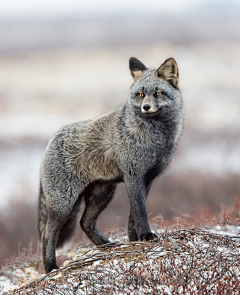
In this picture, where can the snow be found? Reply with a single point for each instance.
(5, 284)
(177, 264)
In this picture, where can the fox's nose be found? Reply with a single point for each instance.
(147, 107)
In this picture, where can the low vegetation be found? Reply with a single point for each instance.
(195, 254)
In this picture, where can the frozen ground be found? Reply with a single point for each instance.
(186, 261)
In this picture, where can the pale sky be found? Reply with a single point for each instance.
(12, 8)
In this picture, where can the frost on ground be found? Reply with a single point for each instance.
(185, 261)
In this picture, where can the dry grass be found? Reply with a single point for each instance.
(189, 261)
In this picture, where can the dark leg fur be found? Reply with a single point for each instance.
(42, 212)
(59, 229)
(49, 240)
(47, 233)
(68, 228)
(132, 233)
(97, 198)
(138, 227)
(148, 237)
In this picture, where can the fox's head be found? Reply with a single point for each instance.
(154, 91)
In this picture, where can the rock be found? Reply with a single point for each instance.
(61, 259)
(56, 277)
(92, 252)
(41, 268)
(66, 262)
(33, 275)
(71, 254)
(82, 250)
(18, 271)
(77, 257)
(24, 279)
(28, 270)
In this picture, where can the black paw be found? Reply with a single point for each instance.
(50, 268)
(148, 237)
(132, 235)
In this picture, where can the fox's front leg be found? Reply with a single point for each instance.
(138, 227)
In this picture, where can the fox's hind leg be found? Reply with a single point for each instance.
(49, 240)
(58, 231)
(132, 233)
(68, 228)
(96, 198)
(61, 218)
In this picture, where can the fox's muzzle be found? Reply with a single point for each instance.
(148, 105)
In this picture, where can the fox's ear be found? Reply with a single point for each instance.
(136, 68)
(169, 71)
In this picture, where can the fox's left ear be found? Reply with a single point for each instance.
(136, 68)
(169, 71)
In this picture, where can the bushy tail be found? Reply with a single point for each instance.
(42, 212)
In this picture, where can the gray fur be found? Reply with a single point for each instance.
(84, 161)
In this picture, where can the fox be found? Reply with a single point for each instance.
(84, 161)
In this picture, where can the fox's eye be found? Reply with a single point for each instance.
(140, 95)
(159, 93)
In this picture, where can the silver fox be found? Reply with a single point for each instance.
(84, 161)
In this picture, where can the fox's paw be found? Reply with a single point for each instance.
(149, 237)
(50, 268)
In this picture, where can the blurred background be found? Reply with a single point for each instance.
(64, 61)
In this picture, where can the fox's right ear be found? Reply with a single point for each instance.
(136, 68)
(169, 71)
